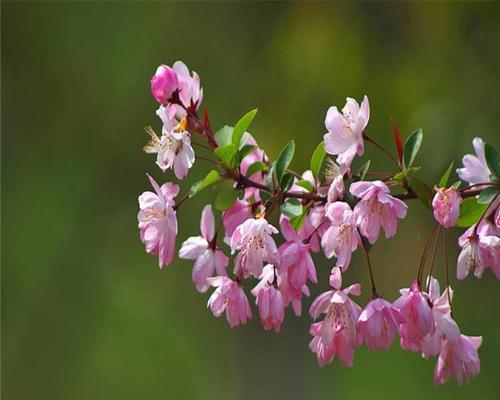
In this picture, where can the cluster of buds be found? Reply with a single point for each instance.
(330, 208)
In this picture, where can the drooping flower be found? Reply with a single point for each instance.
(254, 241)
(345, 131)
(378, 323)
(377, 209)
(459, 358)
(229, 297)
(173, 149)
(158, 220)
(336, 334)
(163, 84)
(446, 206)
(418, 320)
(475, 168)
(209, 258)
(341, 238)
(479, 251)
(269, 299)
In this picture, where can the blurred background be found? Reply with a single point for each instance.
(87, 314)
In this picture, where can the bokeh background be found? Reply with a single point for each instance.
(86, 314)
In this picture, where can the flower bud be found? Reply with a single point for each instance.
(163, 84)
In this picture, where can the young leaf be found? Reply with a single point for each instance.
(306, 185)
(224, 135)
(225, 199)
(286, 182)
(444, 179)
(270, 177)
(412, 146)
(406, 173)
(317, 159)
(488, 194)
(470, 212)
(398, 139)
(423, 192)
(226, 154)
(211, 178)
(361, 172)
(284, 160)
(256, 167)
(246, 150)
(241, 126)
(492, 159)
(292, 208)
(297, 222)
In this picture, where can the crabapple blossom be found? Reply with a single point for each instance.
(163, 84)
(345, 131)
(336, 334)
(255, 244)
(229, 297)
(446, 206)
(376, 209)
(479, 251)
(378, 323)
(209, 258)
(269, 299)
(190, 91)
(239, 212)
(158, 221)
(475, 169)
(342, 237)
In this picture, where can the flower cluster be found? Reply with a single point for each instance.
(330, 208)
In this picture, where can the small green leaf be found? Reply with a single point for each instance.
(406, 173)
(292, 208)
(286, 182)
(211, 178)
(361, 172)
(423, 192)
(256, 167)
(226, 154)
(270, 177)
(246, 150)
(284, 160)
(225, 199)
(492, 159)
(306, 185)
(444, 179)
(297, 222)
(241, 126)
(317, 159)
(412, 146)
(224, 135)
(488, 194)
(457, 184)
(470, 212)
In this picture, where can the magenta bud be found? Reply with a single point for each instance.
(163, 84)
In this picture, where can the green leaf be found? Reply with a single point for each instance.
(306, 185)
(457, 184)
(492, 159)
(224, 135)
(292, 208)
(297, 222)
(406, 173)
(256, 167)
(361, 172)
(444, 179)
(211, 178)
(226, 154)
(317, 159)
(270, 175)
(423, 192)
(225, 199)
(284, 160)
(241, 126)
(470, 212)
(246, 150)
(412, 146)
(286, 182)
(488, 194)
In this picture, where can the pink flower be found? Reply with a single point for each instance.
(342, 237)
(157, 221)
(190, 92)
(377, 324)
(345, 131)
(479, 251)
(377, 209)
(234, 216)
(458, 358)
(336, 188)
(231, 298)
(269, 299)
(253, 239)
(173, 149)
(418, 320)
(209, 258)
(446, 205)
(337, 334)
(163, 84)
(475, 168)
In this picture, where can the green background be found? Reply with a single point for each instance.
(86, 314)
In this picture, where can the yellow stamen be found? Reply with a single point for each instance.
(181, 126)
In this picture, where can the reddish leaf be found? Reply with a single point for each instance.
(206, 122)
(399, 142)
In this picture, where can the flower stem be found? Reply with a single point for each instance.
(372, 279)
(379, 146)
(433, 257)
